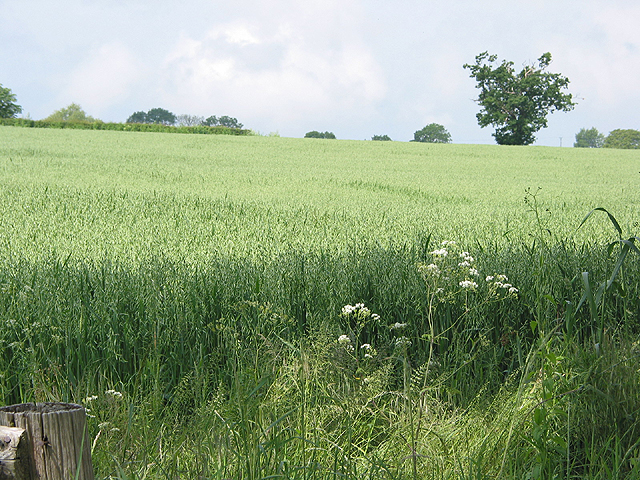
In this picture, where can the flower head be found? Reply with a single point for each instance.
(113, 393)
(402, 342)
(468, 284)
(398, 326)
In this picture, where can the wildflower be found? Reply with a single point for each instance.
(113, 393)
(468, 284)
(448, 242)
(473, 272)
(348, 309)
(513, 290)
(432, 269)
(398, 326)
(439, 291)
(344, 340)
(489, 278)
(90, 399)
(375, 316)
(467, 257)
(368, 355)
(403, 342)
(366, 346)
(464, 264)
(440, 253)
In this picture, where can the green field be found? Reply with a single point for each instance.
(204, 276)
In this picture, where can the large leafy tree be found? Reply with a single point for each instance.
(589, 138)
(72, 114)
(161, 116)
(138, 117)
(517, 104)
(8, 106)
(621, 138)
(432, 133)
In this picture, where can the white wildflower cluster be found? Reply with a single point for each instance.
(432, 269)
(499, 284)
(89, 399)
(360, 311)
(398, 326)
(468, 284)
(369, 351)
(402, 342)
(451, 268)
(113, 393)
(345, 342)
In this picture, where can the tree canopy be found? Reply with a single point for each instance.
(8, 107)
(314, 134)
(71, 114)
(623, 139)
(432, 133)
(517, 104)
(155, 115)
(381, 138)
(589, 138)
(224, 121)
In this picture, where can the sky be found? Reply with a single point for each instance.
(357, 68)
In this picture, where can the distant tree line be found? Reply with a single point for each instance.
(619, 138)
(165, 117)
(314, 134)
(517, 104)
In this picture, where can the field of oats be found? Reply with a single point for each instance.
(294, 308)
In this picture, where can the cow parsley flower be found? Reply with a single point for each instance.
(440, 253)
(468, 284)
(344, 340)
(432, 269)
(398, 326)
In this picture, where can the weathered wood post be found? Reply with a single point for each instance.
(44, 441)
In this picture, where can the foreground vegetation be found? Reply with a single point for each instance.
(250, 307)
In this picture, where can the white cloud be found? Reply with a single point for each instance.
(103, 79)
(282, 74)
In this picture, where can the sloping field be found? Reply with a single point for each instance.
(85, 193)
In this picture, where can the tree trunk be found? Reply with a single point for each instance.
(44, 441)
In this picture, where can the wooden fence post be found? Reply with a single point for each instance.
(44, 441)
